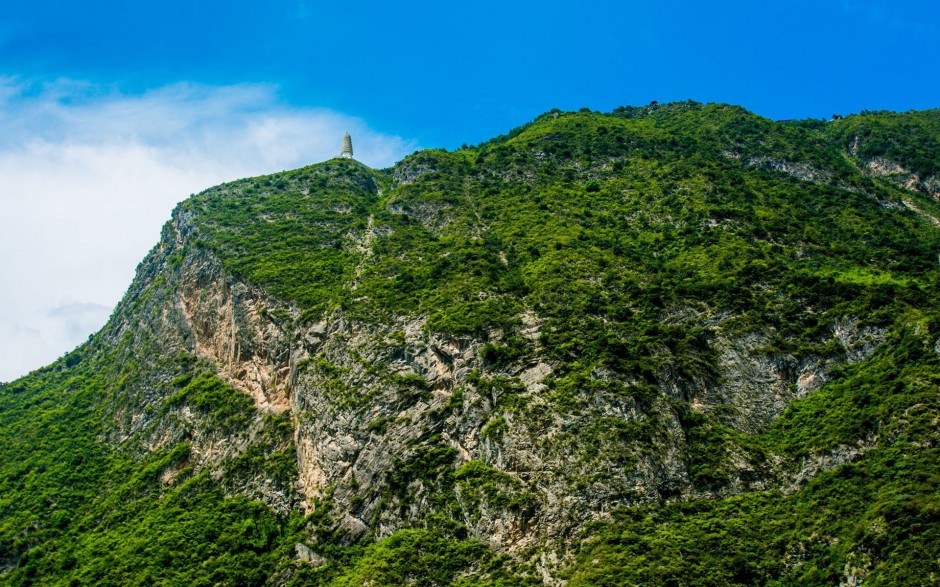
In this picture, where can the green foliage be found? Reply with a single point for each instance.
(191, 535)
(598, 223)
(868, 398)
(432, 465)
(429, 558)
(626, 234)
(73, 511)
(503, 355)
(707, 448)
(878, 514)
(624, 249)
(226, 408)
(911, 139)
(262, 227)
(478, 482)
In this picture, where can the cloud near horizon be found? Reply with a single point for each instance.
(89, 175)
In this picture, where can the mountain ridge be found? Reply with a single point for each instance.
(591, 325)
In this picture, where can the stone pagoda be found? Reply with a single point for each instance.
(346, 152)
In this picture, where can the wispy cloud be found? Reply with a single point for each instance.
(89, 175)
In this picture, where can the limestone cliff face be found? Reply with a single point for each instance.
(365, 399)
(388, 418)
(545, 343)
(182, 308)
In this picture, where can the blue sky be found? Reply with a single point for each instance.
(113, 111)
(443, 73)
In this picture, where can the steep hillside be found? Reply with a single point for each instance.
(670, 345)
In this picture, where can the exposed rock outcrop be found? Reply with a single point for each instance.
(903, 177)
(366, 398)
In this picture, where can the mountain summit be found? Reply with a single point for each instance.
(671, 345)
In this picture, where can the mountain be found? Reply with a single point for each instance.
(671, 345)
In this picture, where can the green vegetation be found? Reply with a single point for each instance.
(288, 231)
(638, 243)
(876, 517)
(477, 482)
(226, 408)
(911, 139)
(674, 216)
(428, 559)
(74, 511)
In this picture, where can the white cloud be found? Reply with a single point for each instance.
(89, 175)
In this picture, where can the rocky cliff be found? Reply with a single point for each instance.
(508, 346)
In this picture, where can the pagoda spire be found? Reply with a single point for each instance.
(347, 152)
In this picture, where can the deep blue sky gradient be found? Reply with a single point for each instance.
(445, 73)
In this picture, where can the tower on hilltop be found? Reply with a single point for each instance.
(347, 152)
